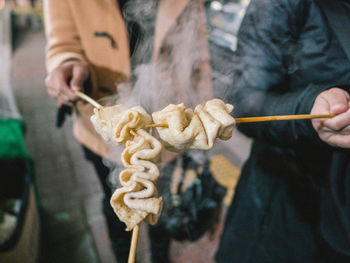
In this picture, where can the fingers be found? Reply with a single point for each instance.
(338, 100)
(321, 106)
(339, 122)
(334, 100)
(336, 130)
(60, 81)
(339, 139)
(57, 86)
(80, 75)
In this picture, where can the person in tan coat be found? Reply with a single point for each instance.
(89, 49)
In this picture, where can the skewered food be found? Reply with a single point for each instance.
(198, 129)
(114, 123)
(137, 199)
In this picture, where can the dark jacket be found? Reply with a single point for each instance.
(287, 54)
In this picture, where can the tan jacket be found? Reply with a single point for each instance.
(70, 27)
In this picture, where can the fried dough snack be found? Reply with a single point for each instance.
(114, 123)
(198, 129)
(137, 199)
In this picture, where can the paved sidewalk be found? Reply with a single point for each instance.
(72, 224)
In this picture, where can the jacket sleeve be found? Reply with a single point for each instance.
(260, 86)
(63, 42)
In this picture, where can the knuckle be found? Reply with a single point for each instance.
(83, 69)
(337, 126)
(331, 92)
(56, 70)
(48, 81)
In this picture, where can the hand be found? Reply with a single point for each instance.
(65, 79)
(334, 131)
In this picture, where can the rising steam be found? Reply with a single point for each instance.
(173, 76)
(180, 72)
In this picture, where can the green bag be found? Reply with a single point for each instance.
(12, 144)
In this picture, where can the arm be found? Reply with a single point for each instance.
(63, 42)
(66, 64)
(261, 73)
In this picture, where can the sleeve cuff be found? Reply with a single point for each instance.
(58, 60)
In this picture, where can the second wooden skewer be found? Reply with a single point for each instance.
(136, 229)
(266, 118)
(284, 117)
(133, 245)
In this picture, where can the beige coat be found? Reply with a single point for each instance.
(70, 27)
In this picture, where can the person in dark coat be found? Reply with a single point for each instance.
(291, 203)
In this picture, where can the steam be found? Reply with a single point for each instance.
(180, 73)
(174, 76)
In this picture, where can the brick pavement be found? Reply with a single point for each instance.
(72, 224)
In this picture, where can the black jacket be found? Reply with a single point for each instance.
(287, 54)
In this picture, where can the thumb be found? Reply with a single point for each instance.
(79, 76)
(339, 102)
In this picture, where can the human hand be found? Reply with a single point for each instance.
(334, 131)
(64, 80)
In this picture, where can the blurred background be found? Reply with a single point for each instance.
(50, 209)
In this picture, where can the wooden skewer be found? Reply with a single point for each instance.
(133, 133)
(238, 120)
(133, 245)
(136, 229)
(163, 125)
(283, 117)
(265, 118)
(88, 99)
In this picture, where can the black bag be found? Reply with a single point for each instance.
(192, 208)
